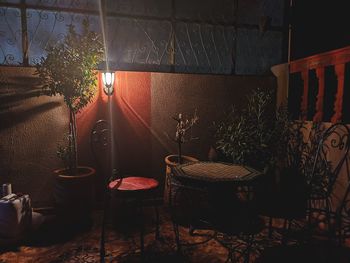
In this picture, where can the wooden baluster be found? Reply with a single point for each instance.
(319, 103)
(338, 103)
(303, 106)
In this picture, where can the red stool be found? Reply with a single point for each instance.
(140, 189)
(133, 183)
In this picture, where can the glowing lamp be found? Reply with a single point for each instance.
(108, 82)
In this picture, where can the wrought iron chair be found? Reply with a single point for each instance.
(343, 215)
(138, 189)
(240, 230)
(286, 201)
(188, 208)
(330, 160)
(293, 198)
(286, 198)
(322, 158)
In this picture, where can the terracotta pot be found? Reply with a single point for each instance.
(74, 195)
(171, 161)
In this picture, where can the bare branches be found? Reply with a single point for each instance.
(183, 127)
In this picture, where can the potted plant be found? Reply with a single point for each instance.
(256, 136)
(69, 70)
(181, 136)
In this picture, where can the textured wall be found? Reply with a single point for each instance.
(30, 128)
(140, 109)
(183, 93)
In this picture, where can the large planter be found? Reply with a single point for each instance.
(172, 161)
(74, 195)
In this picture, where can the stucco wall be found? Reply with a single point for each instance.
(30, 128)
(141, 110)
(181, 93)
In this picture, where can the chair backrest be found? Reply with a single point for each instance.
(302, 147)
(100, 141)
(331, 154)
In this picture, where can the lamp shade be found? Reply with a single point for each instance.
(108, 69)
(108, 82)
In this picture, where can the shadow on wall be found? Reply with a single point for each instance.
(10, 118)
(15, 98)
(31, 126)
(15, 89)
(15, 95)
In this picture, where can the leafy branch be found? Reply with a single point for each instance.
(257, 135)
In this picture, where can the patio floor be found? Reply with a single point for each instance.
(54, 242)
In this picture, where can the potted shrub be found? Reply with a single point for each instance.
(69, 70)
(256, 136)
(181, 136)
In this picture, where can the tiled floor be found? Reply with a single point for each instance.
(54, 242)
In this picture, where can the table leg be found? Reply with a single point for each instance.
(104, 219)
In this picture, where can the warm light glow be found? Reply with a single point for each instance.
(108, 82)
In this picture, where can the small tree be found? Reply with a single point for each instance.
(69, 70)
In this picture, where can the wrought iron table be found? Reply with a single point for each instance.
(216, 172)
(199, 189)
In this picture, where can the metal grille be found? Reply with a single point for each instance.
(139, 43)
(10, 36)
(204, 48)
(46, 28)
(159, 35)
(70, 4)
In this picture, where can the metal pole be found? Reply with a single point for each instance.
(25, 44)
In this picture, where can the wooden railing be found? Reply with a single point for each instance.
(337, 59)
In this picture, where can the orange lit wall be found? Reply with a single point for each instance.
(129, 109)
(133, 110)
(142, 108)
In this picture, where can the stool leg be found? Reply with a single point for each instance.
(248, 249)
(157, 222)
(177, 236)
(328, 219)
(104, 219)
(141, 227)
(286, 229)
(270, 227)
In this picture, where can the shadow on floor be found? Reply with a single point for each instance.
(56, 241)
(50, 231)
(308, 253)
(56, 230)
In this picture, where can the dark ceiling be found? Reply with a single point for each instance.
(319, 26)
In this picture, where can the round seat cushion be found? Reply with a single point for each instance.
(133, 183)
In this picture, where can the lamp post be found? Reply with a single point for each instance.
(108, 89)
